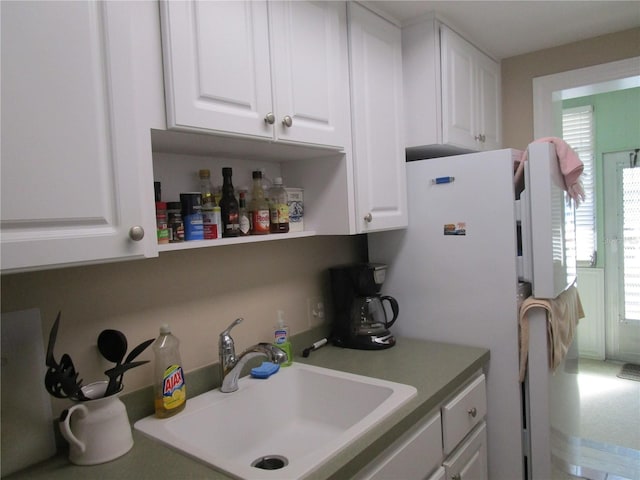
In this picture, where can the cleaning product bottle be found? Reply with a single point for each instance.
(170, 394)
(282, 338)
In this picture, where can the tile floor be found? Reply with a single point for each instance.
(608, 444)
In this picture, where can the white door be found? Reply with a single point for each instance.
(378, 147)
(217, 66)
(310, 71)
(75, 159)
(622, 255)
(458, 91)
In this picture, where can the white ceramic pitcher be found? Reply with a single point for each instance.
(97, 430)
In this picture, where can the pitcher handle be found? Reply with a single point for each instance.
(65, 425)
(394, 308)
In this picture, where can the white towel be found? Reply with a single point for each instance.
(563, 314)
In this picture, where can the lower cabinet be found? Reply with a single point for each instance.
(469, 461)
(414, 455)
(449, 443)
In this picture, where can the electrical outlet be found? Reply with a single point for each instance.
(315, 311)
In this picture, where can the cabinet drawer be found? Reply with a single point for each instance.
(469, 461)
(412, 457)
(463, 412)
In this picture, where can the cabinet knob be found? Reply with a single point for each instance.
(368, 218)
(478, 138)
(456, 477)
(287, 121)
(472, 412)
(270, 118)
(136, 233)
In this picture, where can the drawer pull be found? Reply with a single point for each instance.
(473, 412)
(456, 477)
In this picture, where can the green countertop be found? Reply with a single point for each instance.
(435, 369)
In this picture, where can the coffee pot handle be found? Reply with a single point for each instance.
(394, 308)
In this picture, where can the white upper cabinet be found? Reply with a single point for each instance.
(378, 134)
(76, 153)
(274, 70)
(470, 95)
(452, 90)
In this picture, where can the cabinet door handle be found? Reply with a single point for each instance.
(270, 118)
(287, 121)
(136, 233)
(368, 218)
(472, 412)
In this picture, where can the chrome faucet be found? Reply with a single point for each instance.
(231, 366)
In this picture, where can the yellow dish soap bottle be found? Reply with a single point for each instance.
(170, 392)
(282, 338)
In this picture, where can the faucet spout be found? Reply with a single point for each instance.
(273, 354)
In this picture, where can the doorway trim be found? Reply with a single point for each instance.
(548, 90)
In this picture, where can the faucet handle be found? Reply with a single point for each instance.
(237, 321)
(226, 349)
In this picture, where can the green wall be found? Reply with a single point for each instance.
(617, 127)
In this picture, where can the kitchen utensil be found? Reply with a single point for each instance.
(49, 360)
(97, 429)
(118, 371)
(68, 379)
(113, 346)
(135, 352)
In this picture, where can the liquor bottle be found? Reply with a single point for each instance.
(208, 215)
(229, 206)
(244, 222)
(278, 207)
(259, 207)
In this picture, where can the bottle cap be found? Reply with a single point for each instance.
(204, 173)
(256, 174)
(277, 181)
(165, 329)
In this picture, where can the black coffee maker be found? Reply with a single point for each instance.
(360, 318)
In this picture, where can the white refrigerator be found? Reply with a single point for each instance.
(456, 272)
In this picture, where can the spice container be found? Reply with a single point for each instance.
(174, 220)
(161, 222)
(192, 216)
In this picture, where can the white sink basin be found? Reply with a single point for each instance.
(300, 416)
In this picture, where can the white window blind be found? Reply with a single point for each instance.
(577, 131)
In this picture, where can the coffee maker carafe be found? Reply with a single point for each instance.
(361, 319)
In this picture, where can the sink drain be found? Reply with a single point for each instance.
(270, 462)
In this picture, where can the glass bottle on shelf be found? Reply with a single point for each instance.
(278, 207)
(243, 221)
(229, 207)
(259, 207)
(208, 203)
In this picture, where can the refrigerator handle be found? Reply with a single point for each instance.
(526, 260)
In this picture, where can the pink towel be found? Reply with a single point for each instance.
(570, 165)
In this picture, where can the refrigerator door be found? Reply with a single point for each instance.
(548, 224)
(453, 272)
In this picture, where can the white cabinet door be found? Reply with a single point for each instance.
(489, 102)
(469, 461)
(276, 70)
(76, 165)
(378, 136)
(458, 91)
(412, 457)
(310, 71)
(470, 95)
(217, 67)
